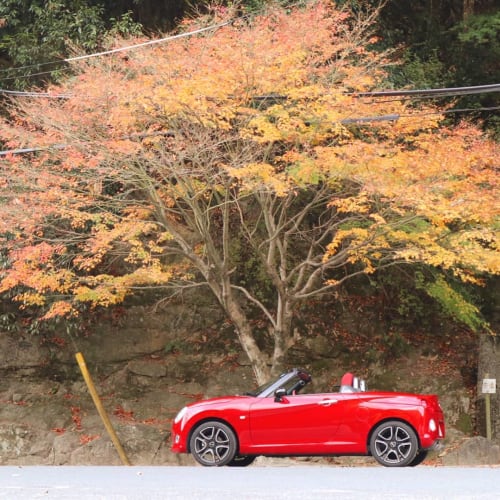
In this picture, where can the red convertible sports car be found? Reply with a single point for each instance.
(397, 429)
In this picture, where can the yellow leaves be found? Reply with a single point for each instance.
(261, 129)
(437, 175)
(361, 246)
(30, 299)
(466, 253)
(104, 290)
(256, 176)
(354, 237)
(431, 254)
(127, 233)
(353, 204)
(304, 171)
(379, 220)
(104, 295)
(478, 249)
(151, 275)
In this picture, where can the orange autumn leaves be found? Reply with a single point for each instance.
(81, 223)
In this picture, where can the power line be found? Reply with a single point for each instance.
(167, 133)
(20, 93)
(421, 93)
(129, 47)
(396, 117)
(345, 121)
(169, 38)
(149, 43)
(451, 91)
(22, 151)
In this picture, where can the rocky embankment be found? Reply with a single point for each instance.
(147, 364)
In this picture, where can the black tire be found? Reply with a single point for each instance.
(213, 444)
(421, 456)
(394, 444)
(242, 460)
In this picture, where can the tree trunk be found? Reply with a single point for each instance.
(247, 340)
(282, 335)
(235, 313)
(468, 8)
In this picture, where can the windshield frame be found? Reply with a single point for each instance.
(301, 377)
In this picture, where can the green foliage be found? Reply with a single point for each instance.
(454, 302)
(425, 298)
(441, 49)
(124, 26)
(47, 27)
(175, 347)
(258, 5)
(481, 30)
(475, 54)
(37, 32)
(420, 71)
(8, 322)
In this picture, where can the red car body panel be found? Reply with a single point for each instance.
(334, 423)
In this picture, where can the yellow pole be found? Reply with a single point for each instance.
(100, 408)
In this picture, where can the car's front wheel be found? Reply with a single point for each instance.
(213, 444)
(394, 444)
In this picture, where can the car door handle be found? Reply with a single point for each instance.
(327, 402)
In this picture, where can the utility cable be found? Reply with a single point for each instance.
(345, 121)
(409, 94)
(442, 92)
(395, 117)
(212, 27)
(149, 43)
(20, 93)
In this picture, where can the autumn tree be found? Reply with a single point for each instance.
(242, 160)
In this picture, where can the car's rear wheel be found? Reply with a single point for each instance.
(394, 444)
(419, 458)
(213, 444)
(242, 460)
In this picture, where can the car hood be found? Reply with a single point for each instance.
(218, 401)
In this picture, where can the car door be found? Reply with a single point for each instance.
(307, 423)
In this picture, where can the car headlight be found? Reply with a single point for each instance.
(432, 425)
(179, 415)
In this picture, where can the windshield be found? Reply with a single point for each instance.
(292, 381)
(264, 387)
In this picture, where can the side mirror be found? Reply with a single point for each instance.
(279, 394)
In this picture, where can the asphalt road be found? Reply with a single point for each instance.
(255, 482)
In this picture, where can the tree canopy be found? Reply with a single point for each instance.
(244, 160)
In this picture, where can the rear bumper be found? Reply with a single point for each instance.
(437, 446)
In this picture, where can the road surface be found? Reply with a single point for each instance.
(255, 482)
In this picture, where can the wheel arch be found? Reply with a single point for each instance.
(211, 419)
(390, 419)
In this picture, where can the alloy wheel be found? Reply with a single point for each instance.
(394, 444)
(213, 444)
